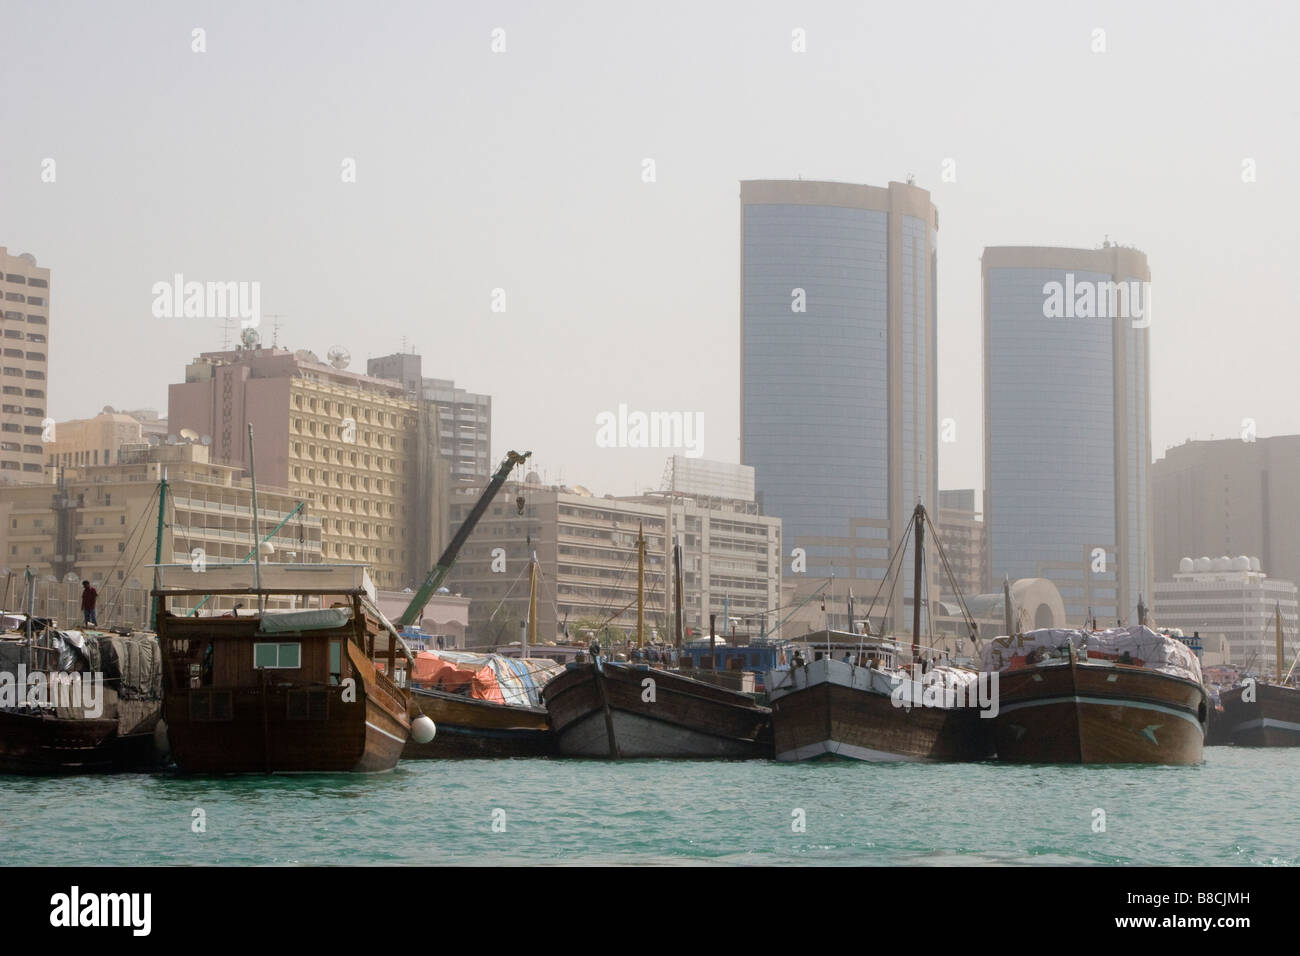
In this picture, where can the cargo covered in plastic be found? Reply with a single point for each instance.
(1135, 645)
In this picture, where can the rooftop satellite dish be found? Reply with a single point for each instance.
(189, 434)
(338, 356)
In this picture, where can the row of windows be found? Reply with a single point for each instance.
(23, 280)
(36, 337)
(34, 319)
(18, 373)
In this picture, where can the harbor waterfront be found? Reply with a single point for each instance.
(1235, 809)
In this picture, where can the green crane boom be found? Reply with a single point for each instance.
(440, 570)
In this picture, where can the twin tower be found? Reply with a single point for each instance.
(839, 416)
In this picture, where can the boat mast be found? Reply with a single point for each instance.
(530, 635)
(677, 556)
(918, 564)
(640, 584)
(1006, 605)
(1277, 614)
(157, 548)
(257, 548)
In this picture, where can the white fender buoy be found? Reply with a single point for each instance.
(422, 729)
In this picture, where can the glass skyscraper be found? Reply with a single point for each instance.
(838, 375)
(1067, 424)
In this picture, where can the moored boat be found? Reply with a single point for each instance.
(1124, 695)
(482, 705)
(1264, 713)
(74, 701)
(856, 699)
(1261, 714)
(261, 690)
(868, 708)
(607, 709)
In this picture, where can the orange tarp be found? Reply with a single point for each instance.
(433, 672)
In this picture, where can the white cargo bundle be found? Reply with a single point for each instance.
(1142, 645)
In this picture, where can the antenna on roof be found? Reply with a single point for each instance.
(275, 327)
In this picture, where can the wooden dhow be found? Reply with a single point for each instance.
(314, 685)
(612, 709)
(1126, 695)
(853, 696)
(262, 690)
(1262, 713)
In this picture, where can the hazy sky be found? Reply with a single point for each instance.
(523, 170)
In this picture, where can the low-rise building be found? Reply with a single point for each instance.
(586, 547)
(99, 523)
(1234, 599)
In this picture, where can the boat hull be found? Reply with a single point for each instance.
(673, 717)
(1272, 719)
(821, 716)
(42, 743)
(467, 727)
(1099, 713)
(260, 736)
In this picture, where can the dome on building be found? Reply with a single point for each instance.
(1186, 565)
(1254, 564)
(1222, 564)
(1203, 563)
(1241, 563)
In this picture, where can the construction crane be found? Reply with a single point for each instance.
(434, 580)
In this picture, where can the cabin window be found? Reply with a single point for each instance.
(336, 663)
(277, 655)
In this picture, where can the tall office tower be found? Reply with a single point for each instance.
(1067, 424)
(837, 404)
(26, 290)
(1230, 496)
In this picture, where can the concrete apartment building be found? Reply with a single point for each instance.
(1067, 426)
(1235, 600)
(962, 531)
(353, 446)
(464, 417)
(24, 371)
(93, 441)
(587, 550)
(838, 373)
(100, 524)
(1229, 497)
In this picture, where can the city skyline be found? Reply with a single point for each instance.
(554, 208)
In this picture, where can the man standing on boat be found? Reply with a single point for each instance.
(88, 598)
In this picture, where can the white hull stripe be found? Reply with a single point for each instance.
(380, 730)
(850, 751)
(1266, 722)
(1100, 702)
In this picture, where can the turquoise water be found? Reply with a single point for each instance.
(1236, 808)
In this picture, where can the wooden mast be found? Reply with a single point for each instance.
(157, 548)
(530, 635)
(257, 547)
(918, 563)
(677, 556)
(640, 584)
(1277, 615)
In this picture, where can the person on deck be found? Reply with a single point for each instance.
(88, 597)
